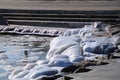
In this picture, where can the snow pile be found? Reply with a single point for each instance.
(74, 46)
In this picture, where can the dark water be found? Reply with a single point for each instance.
(17, 51)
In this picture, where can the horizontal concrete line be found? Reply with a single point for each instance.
(60, 11)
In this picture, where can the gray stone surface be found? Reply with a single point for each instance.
(103, 72)
(60, 5)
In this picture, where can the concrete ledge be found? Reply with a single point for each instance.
(60, 5)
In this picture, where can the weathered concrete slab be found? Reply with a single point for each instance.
(60, 5)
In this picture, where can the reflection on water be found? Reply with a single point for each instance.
(16, 51)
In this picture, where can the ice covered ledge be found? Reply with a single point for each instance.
(72, 47)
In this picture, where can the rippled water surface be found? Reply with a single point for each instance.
(16, 51)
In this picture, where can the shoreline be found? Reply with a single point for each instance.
(50, 63)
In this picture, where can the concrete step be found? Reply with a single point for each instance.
(61, 15)
(57, 18)
(59, 11)
(61, 24)
(64, 19)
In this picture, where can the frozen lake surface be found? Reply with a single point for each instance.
(13, 49)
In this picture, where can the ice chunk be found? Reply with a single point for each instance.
(89, 46)
(60, 62)
(73, 51)
(76, 59)
(39, 62)
(100, 26)
(116, 40)
(119, 47)
(21, 74)
(59, 44)
(59, 56)
(70, 32)
(41, 72)
(15, 72)
(39, 67)
(29, 66)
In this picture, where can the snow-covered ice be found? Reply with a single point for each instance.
(75, 45)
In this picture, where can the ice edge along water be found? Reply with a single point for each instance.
(90, 43)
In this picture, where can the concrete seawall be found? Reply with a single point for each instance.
(60, 5)
(59, 13)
